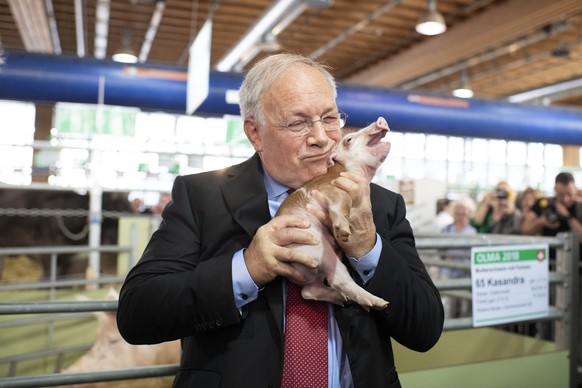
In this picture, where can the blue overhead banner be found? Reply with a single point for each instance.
(46, 78)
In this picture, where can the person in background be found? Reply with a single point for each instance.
(158, 208)
(525, 200)
(444, 213)
(497, 213)
(155, 212)
(217, 272)
(462, 210)
(562, 213)
(137, 205)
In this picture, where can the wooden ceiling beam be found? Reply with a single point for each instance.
(489, 29)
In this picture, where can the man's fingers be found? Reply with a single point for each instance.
(289, 229)
(273, 249)
(282, 264)
(295, 236)
(355, 185)
(289, 255)
(289, 221)
(345, 183)
(286, 269)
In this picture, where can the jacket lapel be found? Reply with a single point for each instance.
(246, 198)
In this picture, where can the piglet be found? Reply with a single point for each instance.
(110, 351)
(360, 152)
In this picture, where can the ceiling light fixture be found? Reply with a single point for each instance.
(125, 57)
(126, 54)
(465, 90)
(431, 23)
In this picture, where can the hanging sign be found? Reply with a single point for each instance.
(510, 283)
(197, 86)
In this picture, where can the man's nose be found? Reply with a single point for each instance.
(318, 131)
(318, 134)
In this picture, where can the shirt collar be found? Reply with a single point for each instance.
(274, 188)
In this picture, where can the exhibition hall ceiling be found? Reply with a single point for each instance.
(499, 48)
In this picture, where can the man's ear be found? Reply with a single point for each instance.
(252, 131)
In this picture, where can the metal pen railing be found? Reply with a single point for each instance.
(564, 277)
(565, 311)
(52, 283)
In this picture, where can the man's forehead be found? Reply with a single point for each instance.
(570, 187)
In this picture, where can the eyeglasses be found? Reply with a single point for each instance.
(331, 122)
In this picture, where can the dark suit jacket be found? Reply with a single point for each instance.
(182, 288)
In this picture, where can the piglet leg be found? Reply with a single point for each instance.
(338, 278)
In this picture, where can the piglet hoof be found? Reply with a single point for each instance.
(376, 304)
(342, 234)
(382, 306)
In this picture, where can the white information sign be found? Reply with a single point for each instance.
(197, 86)
(510, 283)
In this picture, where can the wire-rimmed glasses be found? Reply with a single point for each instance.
(330, 122)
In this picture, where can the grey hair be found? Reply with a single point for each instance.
(264, 73)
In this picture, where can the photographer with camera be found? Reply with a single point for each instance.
(562, 213)
(497, 213)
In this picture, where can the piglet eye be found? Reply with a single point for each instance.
(347, 140)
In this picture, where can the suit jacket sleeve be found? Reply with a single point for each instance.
(175, 290)
(415, 314)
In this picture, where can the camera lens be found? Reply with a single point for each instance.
(501, 194)
(551, 216)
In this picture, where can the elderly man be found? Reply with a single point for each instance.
(216, 272)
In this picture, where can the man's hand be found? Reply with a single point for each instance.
(549, 224)
(489, 200)
(268, 255)
(562, 210)
(362, 228)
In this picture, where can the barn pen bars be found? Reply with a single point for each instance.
(565, 311)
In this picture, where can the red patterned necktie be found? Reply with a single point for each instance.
(305, 356)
